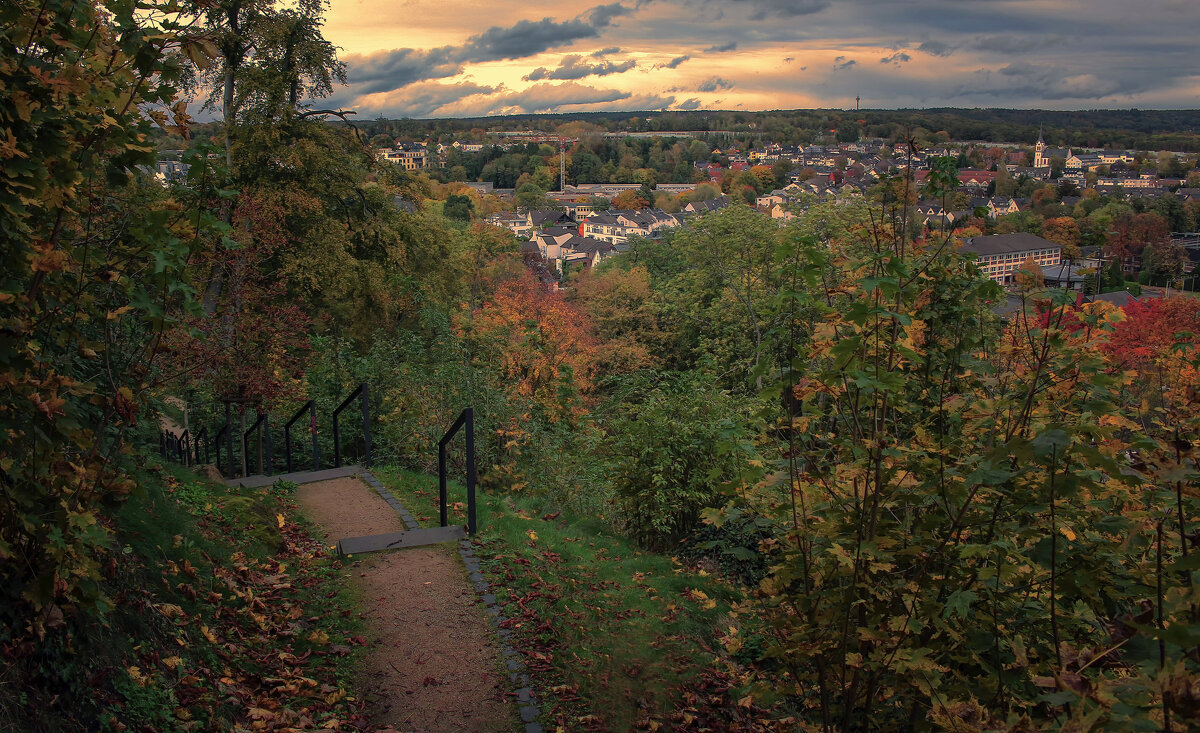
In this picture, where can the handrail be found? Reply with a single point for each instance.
(185, 448)
(365, 398)
(202, 435)
(217, 440)
(465, 419)
(265, 454)
(311, 407)
(228, 429)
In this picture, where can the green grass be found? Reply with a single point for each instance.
(613, 634)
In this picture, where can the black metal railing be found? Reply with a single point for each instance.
(466, 419)
(224, 431)
(264, 444)
(364, 397)
(176, 447)
(185, 447)
(311, 408)
(201, 437)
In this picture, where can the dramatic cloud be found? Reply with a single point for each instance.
(426, 99)
(395, 69)
(760, 9)
(1018, 53)
(602, 15)
(936, 48)
(526, 38)
(574, 67)
(714, 84)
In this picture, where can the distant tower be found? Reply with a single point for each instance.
(1039, 152)
(857, 99)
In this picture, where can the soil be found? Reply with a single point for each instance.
(435, 665)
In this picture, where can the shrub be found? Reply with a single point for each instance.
(670, 454)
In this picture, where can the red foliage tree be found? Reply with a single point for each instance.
(1132, 232)
(1152, 328)
(252, 349)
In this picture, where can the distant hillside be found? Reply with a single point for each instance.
(1139, 129)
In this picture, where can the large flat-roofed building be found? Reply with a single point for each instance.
(1001, 255)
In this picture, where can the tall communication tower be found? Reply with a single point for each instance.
(562, 164)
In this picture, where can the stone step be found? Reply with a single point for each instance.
(298, 477)
(400, 540)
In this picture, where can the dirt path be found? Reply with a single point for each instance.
(436, 666)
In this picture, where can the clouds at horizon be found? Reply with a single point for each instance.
(772, 54)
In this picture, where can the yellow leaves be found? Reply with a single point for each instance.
(1119, 421)
(173, 663)
(279, 519)
(701, 598)
(8, 147)
(200, 51)
(135, 674)
(1067, 532)
(334, 696)
(208, 634)
(532, 535)
(48, 258)
(319, 637)
(115, 314)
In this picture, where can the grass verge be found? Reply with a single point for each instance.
(225, 615)
(615, 638)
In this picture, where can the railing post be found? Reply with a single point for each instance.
(442, 482)
(337, 442)
(287, 446)
(185, 448)
(266, 438)
(229, 438)
(312, 421)
(162, 442)
(470, 425)
(245, 452)
(366, 414)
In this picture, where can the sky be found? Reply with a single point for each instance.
(466, 58)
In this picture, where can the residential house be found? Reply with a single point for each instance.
(564, 246)
(616, 227)
(703, 207)
(1000, 205)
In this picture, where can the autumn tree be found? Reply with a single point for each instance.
(1064, 231)
(629, 199)
(539, 340)
(1152, 328)
(620, 305)
(1131, 233)
(95, 271)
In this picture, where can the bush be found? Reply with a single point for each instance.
(670, 454)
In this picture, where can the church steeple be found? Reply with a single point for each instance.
(1039, 152)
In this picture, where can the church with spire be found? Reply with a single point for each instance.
(1039, 153)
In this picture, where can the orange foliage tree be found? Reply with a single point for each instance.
(539, 340)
